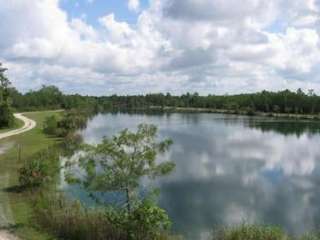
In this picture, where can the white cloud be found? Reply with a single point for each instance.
(134, 5)
(206, 46)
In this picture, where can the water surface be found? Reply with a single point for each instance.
(232, 169)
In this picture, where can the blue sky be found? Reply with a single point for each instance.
(94, 9)
(177, 46)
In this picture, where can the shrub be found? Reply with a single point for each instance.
(39, 169)
(148, 221)
(33, 174)
(73, 120)
(50, 125)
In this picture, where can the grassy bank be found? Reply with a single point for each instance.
(29, 143)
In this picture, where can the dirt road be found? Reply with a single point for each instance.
(28, 125)
(4, 222)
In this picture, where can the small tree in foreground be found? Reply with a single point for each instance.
(118, 164)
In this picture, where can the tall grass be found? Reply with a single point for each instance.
(258, 232)
(67, 219)
(250, 232)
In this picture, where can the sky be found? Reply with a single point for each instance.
(104, 47)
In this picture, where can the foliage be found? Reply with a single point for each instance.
(67, 125)
(258, 232)
(148, 221)
(118, 164)
(39, 169)
(33, 174)
(50, 97)
(250, 232)
(50, 125)
(310, 236)
(70, 220)
(73, 120)
(71, 143)
(279, 102)
(6, 115)
(286, 101)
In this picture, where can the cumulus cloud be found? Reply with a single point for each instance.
(177, 46)
(134, 5)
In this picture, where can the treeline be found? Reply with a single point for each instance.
(286, 101)
(50, 97)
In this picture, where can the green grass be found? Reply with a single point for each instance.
(29, 143)
(258, 232)
(17, 124)
(250, 232)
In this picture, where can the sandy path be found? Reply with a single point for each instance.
(28, 125)
(5, 213)
(6, 219)
(5, 235)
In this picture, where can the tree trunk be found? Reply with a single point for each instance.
(128, 200)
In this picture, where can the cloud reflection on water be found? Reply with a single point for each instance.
(232, 169)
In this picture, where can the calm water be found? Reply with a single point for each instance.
(232, 169)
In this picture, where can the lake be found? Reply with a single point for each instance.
(232, 169)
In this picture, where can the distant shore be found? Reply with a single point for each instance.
(238, 112)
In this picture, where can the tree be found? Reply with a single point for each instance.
(6, 116)
(118, 165)
(4, 84)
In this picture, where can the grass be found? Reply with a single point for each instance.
(258, 232)
(29, 143)
(17, 124)
(250, 232)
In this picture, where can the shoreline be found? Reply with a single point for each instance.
(296, 116)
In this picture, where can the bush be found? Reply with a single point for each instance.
(69, 123)
(33, 174)
(73, 120)
(50, 125)
(146, 222)
(39, 169)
